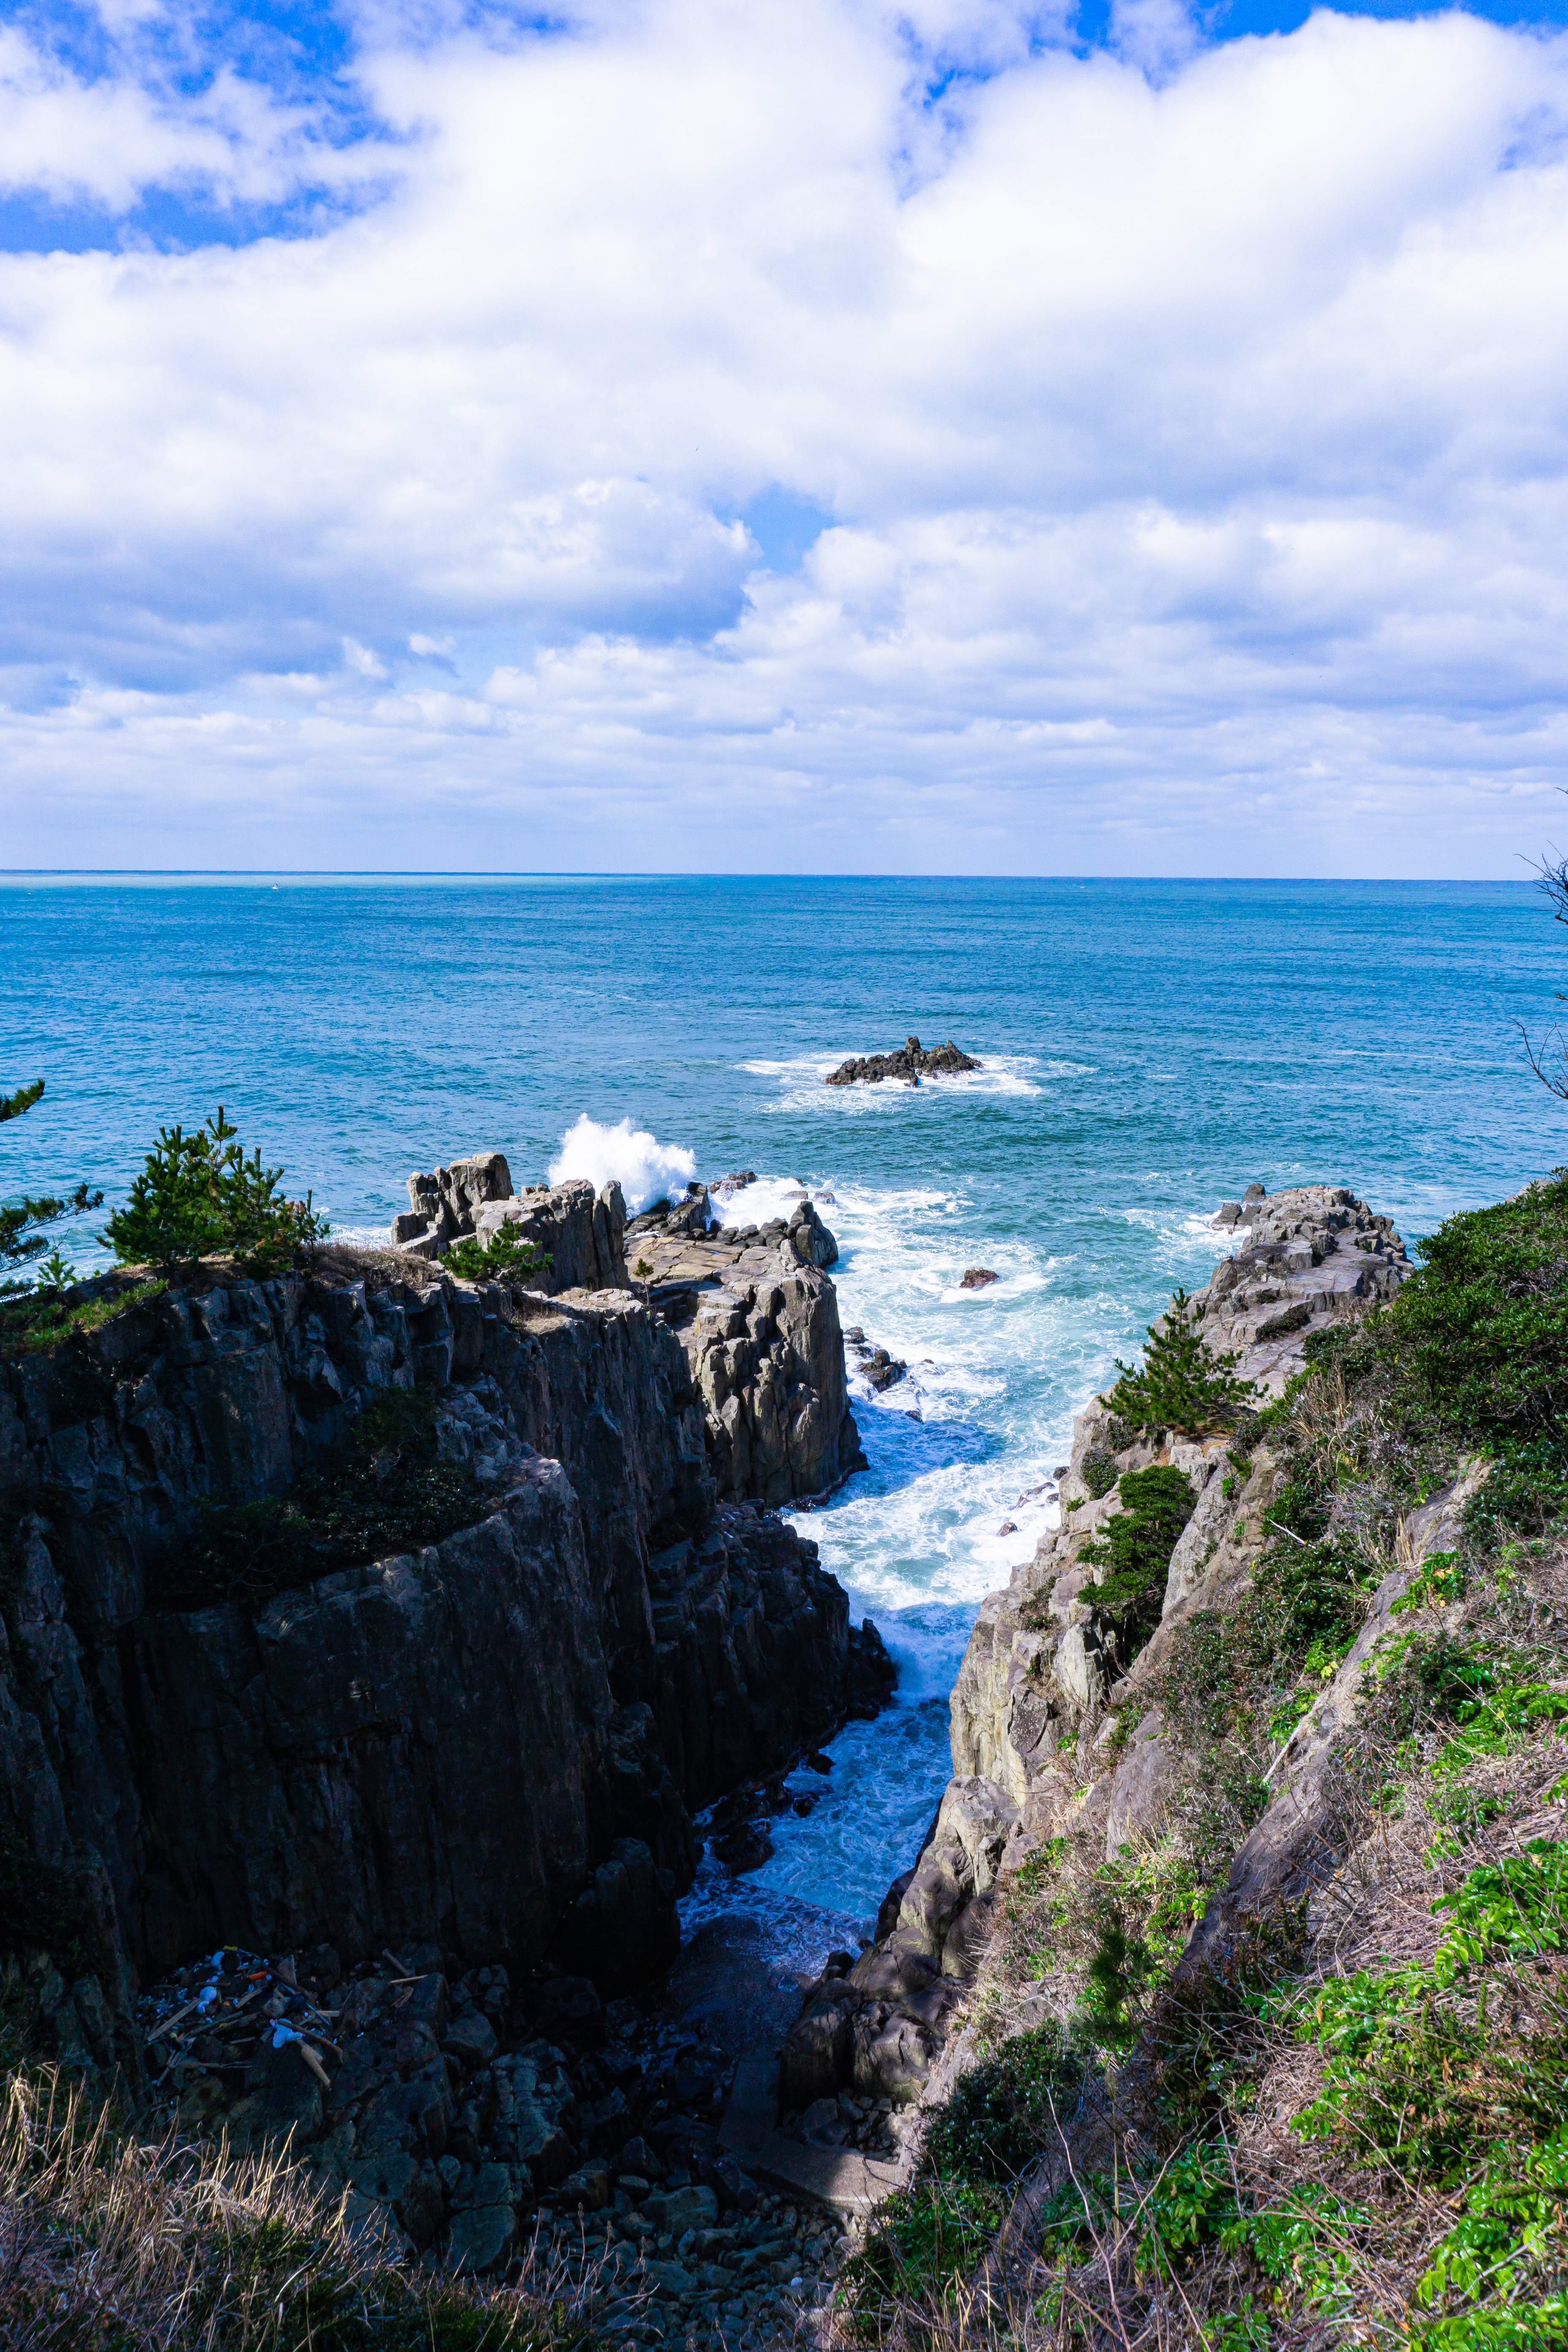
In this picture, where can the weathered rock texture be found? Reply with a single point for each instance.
(910, 1063)
(758, 1318)
(496, 1742)
(1045, 1686)
(578, 1232)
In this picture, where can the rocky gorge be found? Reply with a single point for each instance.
(442, 1957)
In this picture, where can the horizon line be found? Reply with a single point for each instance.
(700, 874)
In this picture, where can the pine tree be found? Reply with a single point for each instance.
(22, 1239)
(1182, 1384)
(198, 1196)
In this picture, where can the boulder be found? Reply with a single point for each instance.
(481, 2238)
(624, 1926)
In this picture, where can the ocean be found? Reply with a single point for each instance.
(1147, 1049)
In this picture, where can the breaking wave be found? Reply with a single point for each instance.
(628, 1156)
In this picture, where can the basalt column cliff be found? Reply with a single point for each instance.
(214, 1726)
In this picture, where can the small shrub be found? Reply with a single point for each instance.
(1513, 2231)
(925, 2241)
(1002, 2112)
(509, 1257)
(1098, 1471)
(1136, 1544)
(1181, 1384)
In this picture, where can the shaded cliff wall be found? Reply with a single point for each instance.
(447, 1744)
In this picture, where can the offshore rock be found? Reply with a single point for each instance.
(911, 1062)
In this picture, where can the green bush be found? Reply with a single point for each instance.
(1002, 2112)
(1181, 1384)
(1481, 1332)
(198, 1196)
(1414, 2076)
(926, 2240)
(509, 1257)
(1136, 1544)
(390, 1493)
(1098, 1471)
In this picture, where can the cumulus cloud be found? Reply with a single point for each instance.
(1190, 419)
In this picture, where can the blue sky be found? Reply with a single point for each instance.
(970, 434)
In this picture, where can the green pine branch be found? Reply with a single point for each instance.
(1180, 1384)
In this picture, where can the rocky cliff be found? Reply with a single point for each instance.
(1054, 1727)
(494, 1738)
(758, 1318)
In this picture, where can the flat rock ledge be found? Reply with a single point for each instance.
(911, 1062)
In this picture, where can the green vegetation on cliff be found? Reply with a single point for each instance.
(1335, 2115)
(390, 1491)
(198, 1196)
(1181, 1384)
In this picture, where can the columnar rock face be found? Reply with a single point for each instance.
(759, 1321)
(1043, 1661)
(579, 1234)
(462, 1742)
(1049, 1680)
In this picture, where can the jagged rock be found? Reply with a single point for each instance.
(815, 2062)
(1135, 1800)
(481, 2236)
(581, 1235)
(880, 1370)
(911, 1062)
(977, 1277)
(623, 1926)
(444, 1205)
(759, 1320)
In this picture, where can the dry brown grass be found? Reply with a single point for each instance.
(109, 2243)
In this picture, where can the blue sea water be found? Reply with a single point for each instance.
(1148, 1049)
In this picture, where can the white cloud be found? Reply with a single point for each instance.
(1195, 420)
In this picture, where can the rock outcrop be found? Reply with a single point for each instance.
(758, 1318)
(910, 1063)
(579, 1234)
(1049, 1680)
(495, 1741)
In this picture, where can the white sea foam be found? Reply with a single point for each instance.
(959, 1449)
(630, 1157)
(1190, 1243)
